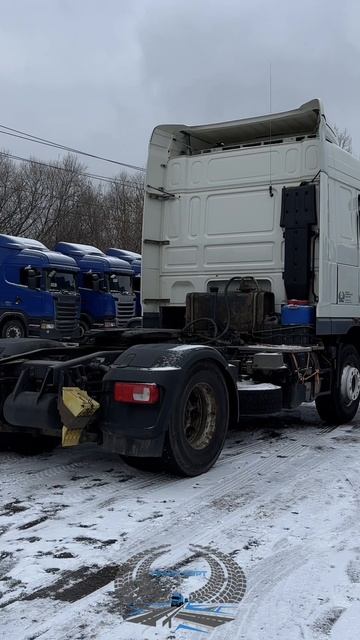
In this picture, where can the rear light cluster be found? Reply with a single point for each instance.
(136, 392)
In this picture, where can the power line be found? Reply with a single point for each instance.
(16, 133)
(54, 166)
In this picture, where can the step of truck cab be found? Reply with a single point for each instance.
(259, 398)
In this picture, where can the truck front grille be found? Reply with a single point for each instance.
(125, 311)
(66, 317)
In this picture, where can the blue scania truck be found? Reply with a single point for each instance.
(38, 291)
(105, 285)
(134, 259)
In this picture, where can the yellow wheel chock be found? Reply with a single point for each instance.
(76, 408)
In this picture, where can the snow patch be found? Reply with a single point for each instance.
(249, 385)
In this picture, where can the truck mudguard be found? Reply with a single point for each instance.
(24, 346)
(140, 430)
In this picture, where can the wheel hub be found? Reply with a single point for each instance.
(350, 384)
(200, 416)
(13, 332)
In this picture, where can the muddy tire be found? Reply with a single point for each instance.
(199, 423)
(341, 405)
(13, 329)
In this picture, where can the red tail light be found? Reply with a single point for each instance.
(136, 392)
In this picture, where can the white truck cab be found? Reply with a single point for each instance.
(213, 209)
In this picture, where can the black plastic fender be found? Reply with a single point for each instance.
(38, 413)
(21, 346)
(139, 430)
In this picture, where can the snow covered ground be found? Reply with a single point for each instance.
(282, 505)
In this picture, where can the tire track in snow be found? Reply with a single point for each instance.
(284, 564)
(265, 578)
(154, 486)
(150, 484)
(305, 464)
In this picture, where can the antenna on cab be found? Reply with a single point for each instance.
(270, 132)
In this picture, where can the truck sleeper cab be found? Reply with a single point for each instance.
(38, 291)
(105, 284)
(250, 288)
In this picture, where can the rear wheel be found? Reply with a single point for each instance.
(199, 423)
(341, 405)
(13, 329)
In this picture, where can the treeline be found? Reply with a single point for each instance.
(61, 202)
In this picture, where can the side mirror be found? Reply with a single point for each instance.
(95, 282)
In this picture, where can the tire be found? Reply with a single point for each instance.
(84, 327)
(341, 405)
(199, 423)
(13, 329)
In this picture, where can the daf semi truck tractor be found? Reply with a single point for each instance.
(105, 285)
(250, 292)
(38, 291)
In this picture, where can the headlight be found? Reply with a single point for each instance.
(109, 323)
(47, 325)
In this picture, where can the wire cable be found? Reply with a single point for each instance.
(83, 173)
(16, 133)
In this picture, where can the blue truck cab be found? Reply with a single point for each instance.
(105, 284)
(38, 291)
(134, 259)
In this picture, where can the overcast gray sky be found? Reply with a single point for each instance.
(100, 74)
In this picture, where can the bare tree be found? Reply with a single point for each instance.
(124, 203)
(344, 138)
(8, 193)
(60, 202)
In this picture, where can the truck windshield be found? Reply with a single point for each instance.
(119, 283)
(64, 281)
(94, 281)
